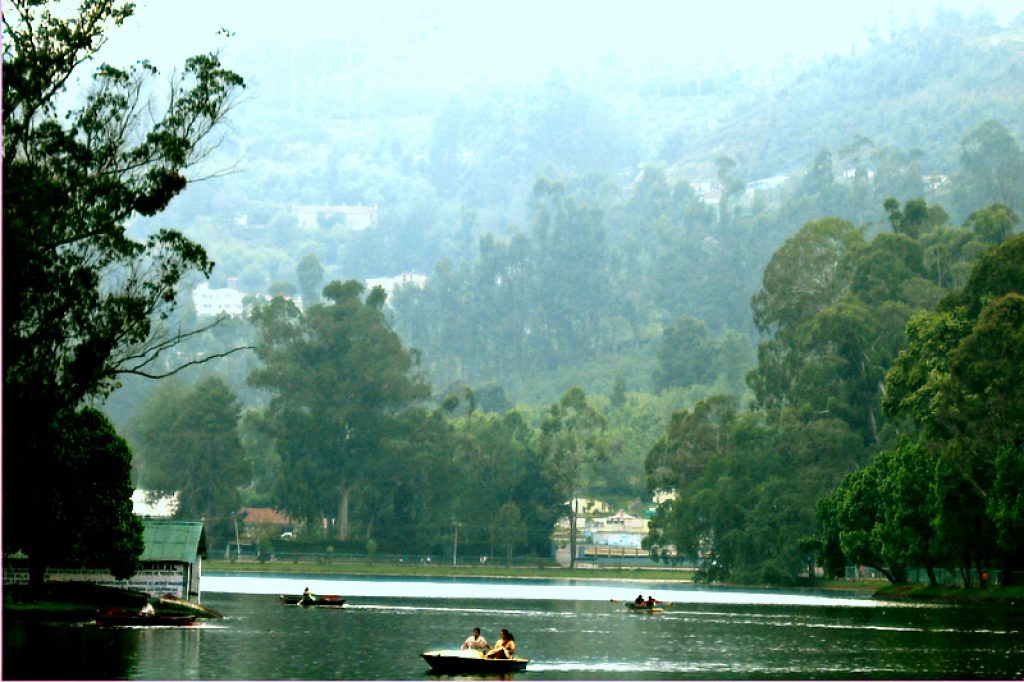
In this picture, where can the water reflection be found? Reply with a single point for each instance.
(41, 651)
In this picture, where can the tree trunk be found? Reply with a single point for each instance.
(884, 570)
(931, 575)
(572, 533)
(346, 492)
(965, 574)
(872, 420)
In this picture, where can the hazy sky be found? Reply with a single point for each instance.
(472, 36)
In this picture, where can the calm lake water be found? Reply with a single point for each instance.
(569, 630)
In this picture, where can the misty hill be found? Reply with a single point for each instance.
(921, 90)
(336, 127)
(444, 164)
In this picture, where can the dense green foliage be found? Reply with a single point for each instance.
(87, 521)
(187, 442)
(339, 379)
(834, 308)
(84, 303)
(949, 494)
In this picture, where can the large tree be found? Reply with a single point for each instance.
(189, 443)
(992, 166)
(83, 302)
(572, 442)
(340, 379)
(92, 523)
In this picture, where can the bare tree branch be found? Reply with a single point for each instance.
(190, 363)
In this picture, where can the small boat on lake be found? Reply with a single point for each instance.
(331, 600)
(470, 662)
(123, 617)
(642, 608)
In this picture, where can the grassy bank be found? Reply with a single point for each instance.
(446, 571)
(67, 601)
(72, 601)
(1012, 595)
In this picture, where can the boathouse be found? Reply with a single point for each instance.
(171, 563)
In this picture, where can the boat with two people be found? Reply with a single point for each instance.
(470, 662)
(474, 658)
(648, 605)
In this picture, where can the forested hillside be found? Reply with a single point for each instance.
(449, 164)
(625, 246)
(918, 92)
(623, 265)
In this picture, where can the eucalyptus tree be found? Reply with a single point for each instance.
(991, 167)
(310, 275)
(572, 442)
(84, 303)
(339, 380)
(684, 357)
(803, 277)
(188, 443)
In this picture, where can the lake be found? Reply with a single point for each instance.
(569, 629)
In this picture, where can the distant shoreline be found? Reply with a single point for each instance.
(653, 574)
(878, 589)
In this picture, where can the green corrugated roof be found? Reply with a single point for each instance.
(172, 540)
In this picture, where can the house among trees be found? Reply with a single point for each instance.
(618, 530)
(171, 563)
(210, 302)
(257, 521)
(603, 534)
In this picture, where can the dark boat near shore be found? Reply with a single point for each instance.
(469, 662)
(122, 617)
(334, 600)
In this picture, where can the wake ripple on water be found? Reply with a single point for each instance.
(399, 608)
(618, 667)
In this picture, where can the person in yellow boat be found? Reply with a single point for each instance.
(505, 647)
